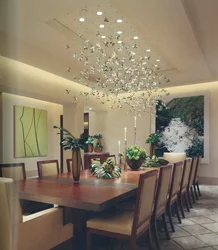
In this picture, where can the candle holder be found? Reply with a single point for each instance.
(125, 163)
(135, 142)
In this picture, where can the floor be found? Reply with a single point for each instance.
(199, 230)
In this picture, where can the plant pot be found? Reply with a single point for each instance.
(134, 164)
(97, 150)
(76, 165)
(90, 148)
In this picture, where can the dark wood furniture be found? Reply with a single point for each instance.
(190, 190)
(89, 156)
(196, 178)
(48, 167)
(124, 224)
(15, 171)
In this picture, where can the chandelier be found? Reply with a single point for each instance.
(116, 67)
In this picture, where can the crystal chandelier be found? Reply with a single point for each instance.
(117, 68)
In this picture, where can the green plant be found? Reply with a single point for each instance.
(135, 153)
(98, 136)
(196, 149)
(91, 139)
(154, 162)
(69, 141)
(153, 138)
(107, 170)
(98, 145)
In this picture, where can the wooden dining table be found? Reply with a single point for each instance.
(83, 200)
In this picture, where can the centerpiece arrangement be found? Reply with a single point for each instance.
(135, 156)
(154, 162)
(108, 170)
(70, 142)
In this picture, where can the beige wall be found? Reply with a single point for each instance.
(54, 112)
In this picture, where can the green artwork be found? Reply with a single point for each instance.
(30, 132)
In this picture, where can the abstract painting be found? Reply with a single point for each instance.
(30, 132)
(181, 122)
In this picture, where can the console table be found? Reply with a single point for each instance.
(89, 156)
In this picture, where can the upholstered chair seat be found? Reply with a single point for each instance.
(174, 157)
(43, 230)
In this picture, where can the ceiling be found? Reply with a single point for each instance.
(182, 33)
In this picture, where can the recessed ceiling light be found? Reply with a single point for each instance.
(101, 26)
(119, 32)
(90, 108)
(99, 13)
(82, 19)
(135, 37)
(119, 20)
(158, 60)
(148, 50)
(146, 57)
(119, 41)
(155, 65)
(144, 63)
(103, 36)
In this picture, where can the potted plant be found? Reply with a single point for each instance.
(98, 147)
(153, 139)
(98, 137)
(90, 141)
(69, 142)
(135, 156)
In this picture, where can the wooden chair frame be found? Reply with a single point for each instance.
(176, 167)
(183, 194)
(190, 191)
(39, 166)
(162, 212)
(13, 165)
(195, 182)
(132, 238)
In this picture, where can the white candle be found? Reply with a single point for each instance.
(125, 130)
(118, 147)
(135, 121)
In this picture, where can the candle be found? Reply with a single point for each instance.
(135, 121)
(118, 147)
(125, 130)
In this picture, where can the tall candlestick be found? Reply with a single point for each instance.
(125, 130)
(135, 131)
(125, 147)
(118, 147)
(135, 121)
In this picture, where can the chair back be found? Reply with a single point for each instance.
(49, 167)
(69, 165)
(197, 169)
(175, 180)
(96, 161)
(162, 189)
(144, 201)
(174, 157)
(193, 171)
(185, 174)
(10, 213)
(15, 171)
(112, 157)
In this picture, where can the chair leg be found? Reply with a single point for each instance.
(181, 205)
(165, 226)
(150, 240)
(155, 232)
(170, 216)
(133, 244)
(89, 241)
(195, 190)
(186, 201)
(189, 198)
(177, 212)
(192, 194)
(198, 188)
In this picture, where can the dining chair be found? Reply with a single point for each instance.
(173, 193)
(48, 167)
(69, 165)
(160, 203)
(190, 190)
(112, 157)
(43, 230)
(127, 224)
(172, 157)
(96, 161)
(196, 179)
(183, 193)
(16, 171)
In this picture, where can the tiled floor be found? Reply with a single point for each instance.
(199, 230)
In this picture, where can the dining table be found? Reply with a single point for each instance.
(83, 200)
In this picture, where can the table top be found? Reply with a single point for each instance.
(91, 193)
